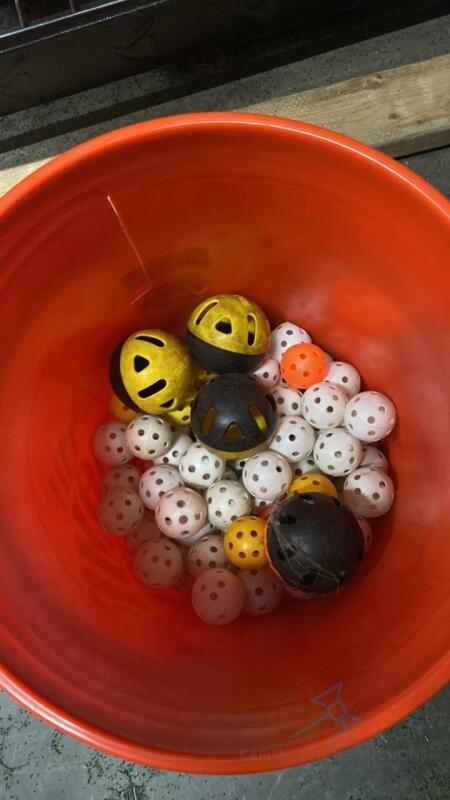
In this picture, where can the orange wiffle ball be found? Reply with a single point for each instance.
(303, 365)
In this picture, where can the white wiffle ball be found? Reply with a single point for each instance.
(370, 416)
(324, 405)
(374, 457)
(293, 438)
(337, 452)
(180, 441)
(199, 467)
(226, 501)
(124, 476)
(156, 481)
(267, 475)
(181, 513)
(268, 372)
(218, 596)
(344, 375)
(120, 511)
(207, 553)
(110, 445)
(368, 492)
(148, 437)
(284, 336)
(289, 401)
(158, 563)
(263, 591)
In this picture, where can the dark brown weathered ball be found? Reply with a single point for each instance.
(314, 543)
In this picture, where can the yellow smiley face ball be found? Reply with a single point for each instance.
(244, 543)
(312, 482)
(151, 371)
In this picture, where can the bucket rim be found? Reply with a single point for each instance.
(386, 714)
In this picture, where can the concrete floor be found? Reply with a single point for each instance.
(409, 761)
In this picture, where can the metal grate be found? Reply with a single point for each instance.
(16, 15)
(55, 48)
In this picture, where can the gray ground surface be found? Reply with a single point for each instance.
(418, 42)
(407, 762)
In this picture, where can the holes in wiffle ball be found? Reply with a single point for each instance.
(258, 417)
(208, 420)
(224, 326)
(205, 310)
(308, 579)
(234, 432)
(154, 388)
(151, 340)
(251, 329)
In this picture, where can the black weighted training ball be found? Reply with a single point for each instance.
(233, 415)
(314, 543)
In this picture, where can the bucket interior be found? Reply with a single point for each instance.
(134, 234)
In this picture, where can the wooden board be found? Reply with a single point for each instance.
(400, 111)
(9, 177)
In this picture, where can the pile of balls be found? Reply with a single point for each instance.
(243, 463)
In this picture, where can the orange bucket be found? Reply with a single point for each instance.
(132, 230)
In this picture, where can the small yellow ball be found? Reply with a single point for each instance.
(119, 410)
(201, 376)
(181, 416)
(312, 482)
(244, 543)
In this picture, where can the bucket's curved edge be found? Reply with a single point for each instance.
(142, 130)
(249, 761)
